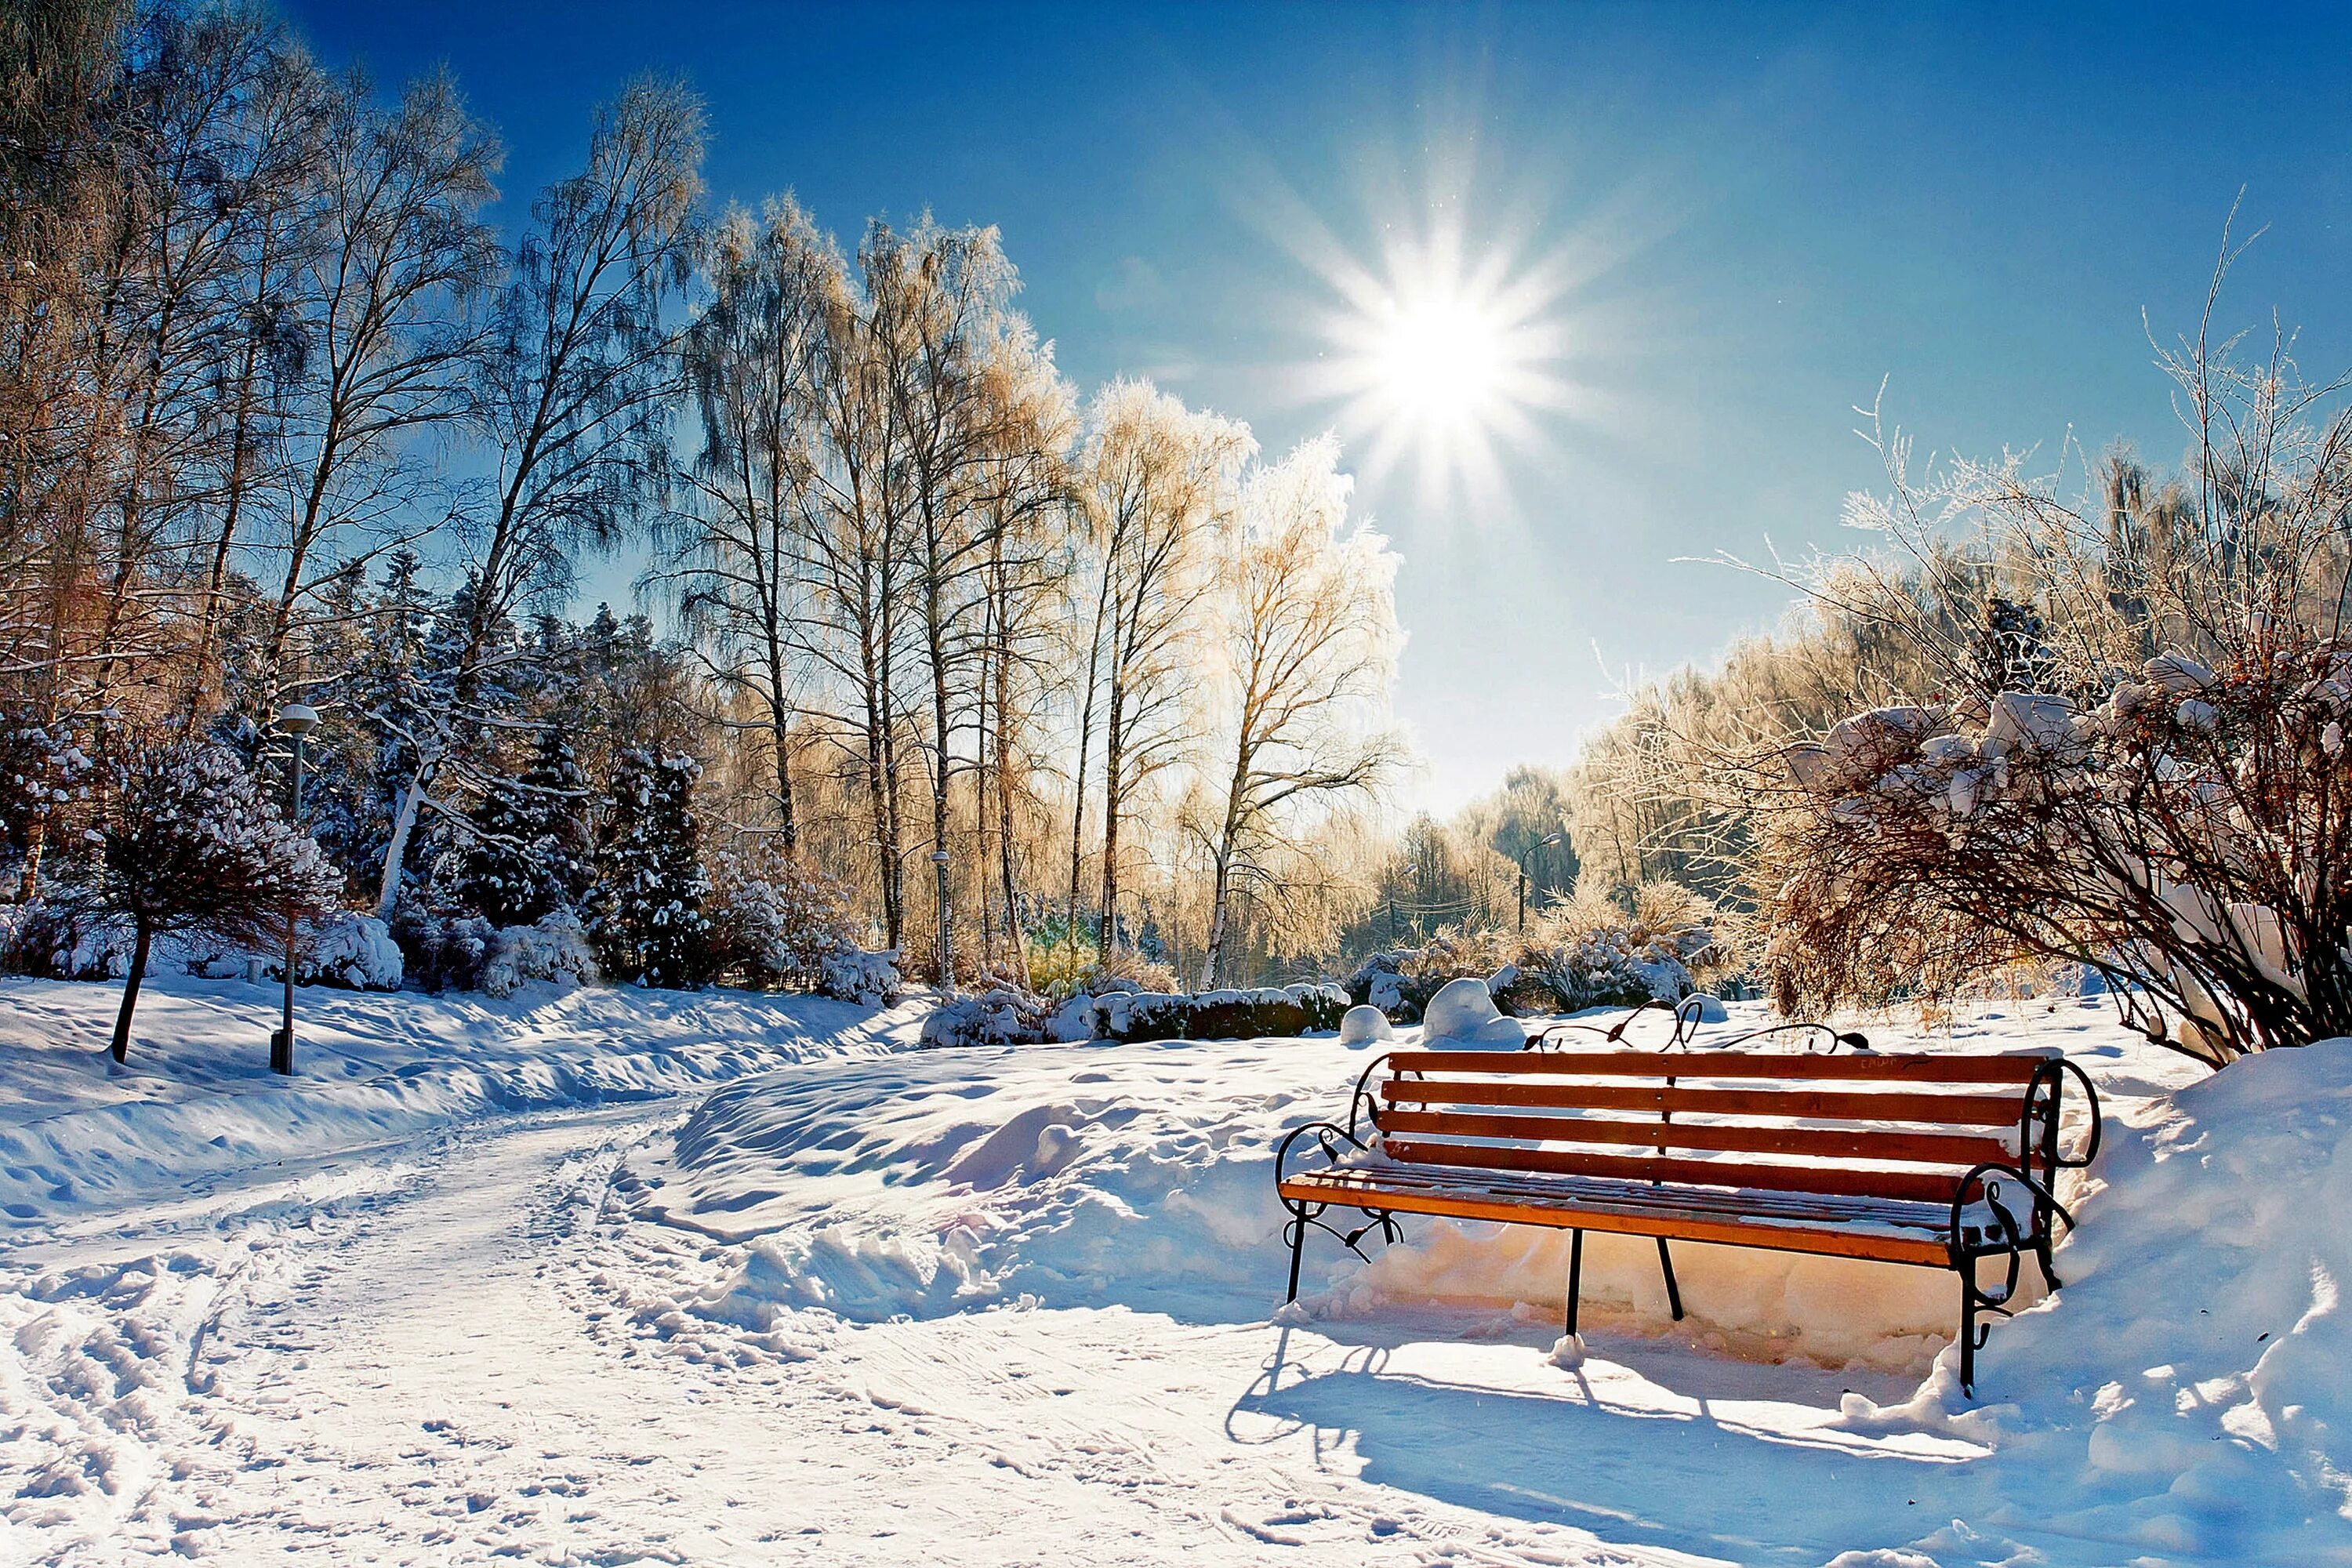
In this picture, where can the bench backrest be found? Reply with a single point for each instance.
(1883, 1124)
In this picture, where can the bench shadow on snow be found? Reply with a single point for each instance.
(1689, 1468)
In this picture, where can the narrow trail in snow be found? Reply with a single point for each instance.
(473, 1359)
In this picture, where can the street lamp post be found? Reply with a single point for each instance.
(1544, 843)
(947, 951)
(298, 722)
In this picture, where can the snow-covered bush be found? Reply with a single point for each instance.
(1587, 951)
(775, 920)
(2174, 825)
(867, 979)
(353, 951)
(554, 949)
(1000, 1016)
(1124, 970)
(440, 950)
(64, 939)
(1400, 982)
(1590, 951)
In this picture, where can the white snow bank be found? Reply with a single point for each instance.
(1143, 1174)
(2190, 1388)
(928, 1184)
(196, 1101)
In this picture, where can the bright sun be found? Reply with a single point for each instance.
(1443, 359)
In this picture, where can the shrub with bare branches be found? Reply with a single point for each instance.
(2127, 743)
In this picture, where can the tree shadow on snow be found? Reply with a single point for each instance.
(1694, 1466)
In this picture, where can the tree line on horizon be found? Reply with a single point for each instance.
(960, 658)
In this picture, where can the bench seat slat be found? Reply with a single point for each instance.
(1915, 1185)
(1835, 1142)
(2012, 1068)
(1957, 1110)
(1884, 1237)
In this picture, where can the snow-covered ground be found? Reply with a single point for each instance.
(619, 1277)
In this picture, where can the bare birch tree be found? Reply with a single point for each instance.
(575, 386)
(1159, 482)
(1310, 647)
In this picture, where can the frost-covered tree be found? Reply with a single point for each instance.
(1157, 482)
(1310, 637)
(194, 845)
(647, 916)
(732, 554)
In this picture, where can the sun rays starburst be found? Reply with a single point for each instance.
(1442, 361)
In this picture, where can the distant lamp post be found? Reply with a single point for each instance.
(947, 951)
(296, 721)
(1544, 843)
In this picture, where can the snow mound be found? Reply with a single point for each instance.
(2192, 1383)
(936, 1182)
(1463, 1017)
(1364, 1026)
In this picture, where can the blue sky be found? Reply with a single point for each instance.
(1751, 217)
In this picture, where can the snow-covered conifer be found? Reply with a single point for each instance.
(528, 847)
(647, 918)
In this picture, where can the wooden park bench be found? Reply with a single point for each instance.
(1932, 1160)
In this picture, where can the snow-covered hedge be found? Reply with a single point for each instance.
(554, 950)
(854, 974)
(1000, 1016)
(58, 940)
(1270, 1013)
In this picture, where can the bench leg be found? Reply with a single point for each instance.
(1575, 1276)
(1673, 1291)
(1968, 1328)
(2041, 1256)
(1297, 1248)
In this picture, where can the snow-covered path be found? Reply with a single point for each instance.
(457, 1350)
(427, 1369)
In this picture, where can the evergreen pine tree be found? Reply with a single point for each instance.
(528, 853)
(646, 916)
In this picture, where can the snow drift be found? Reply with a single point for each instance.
(198, 1102)
(2192, 1383)
(1108, 1172)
